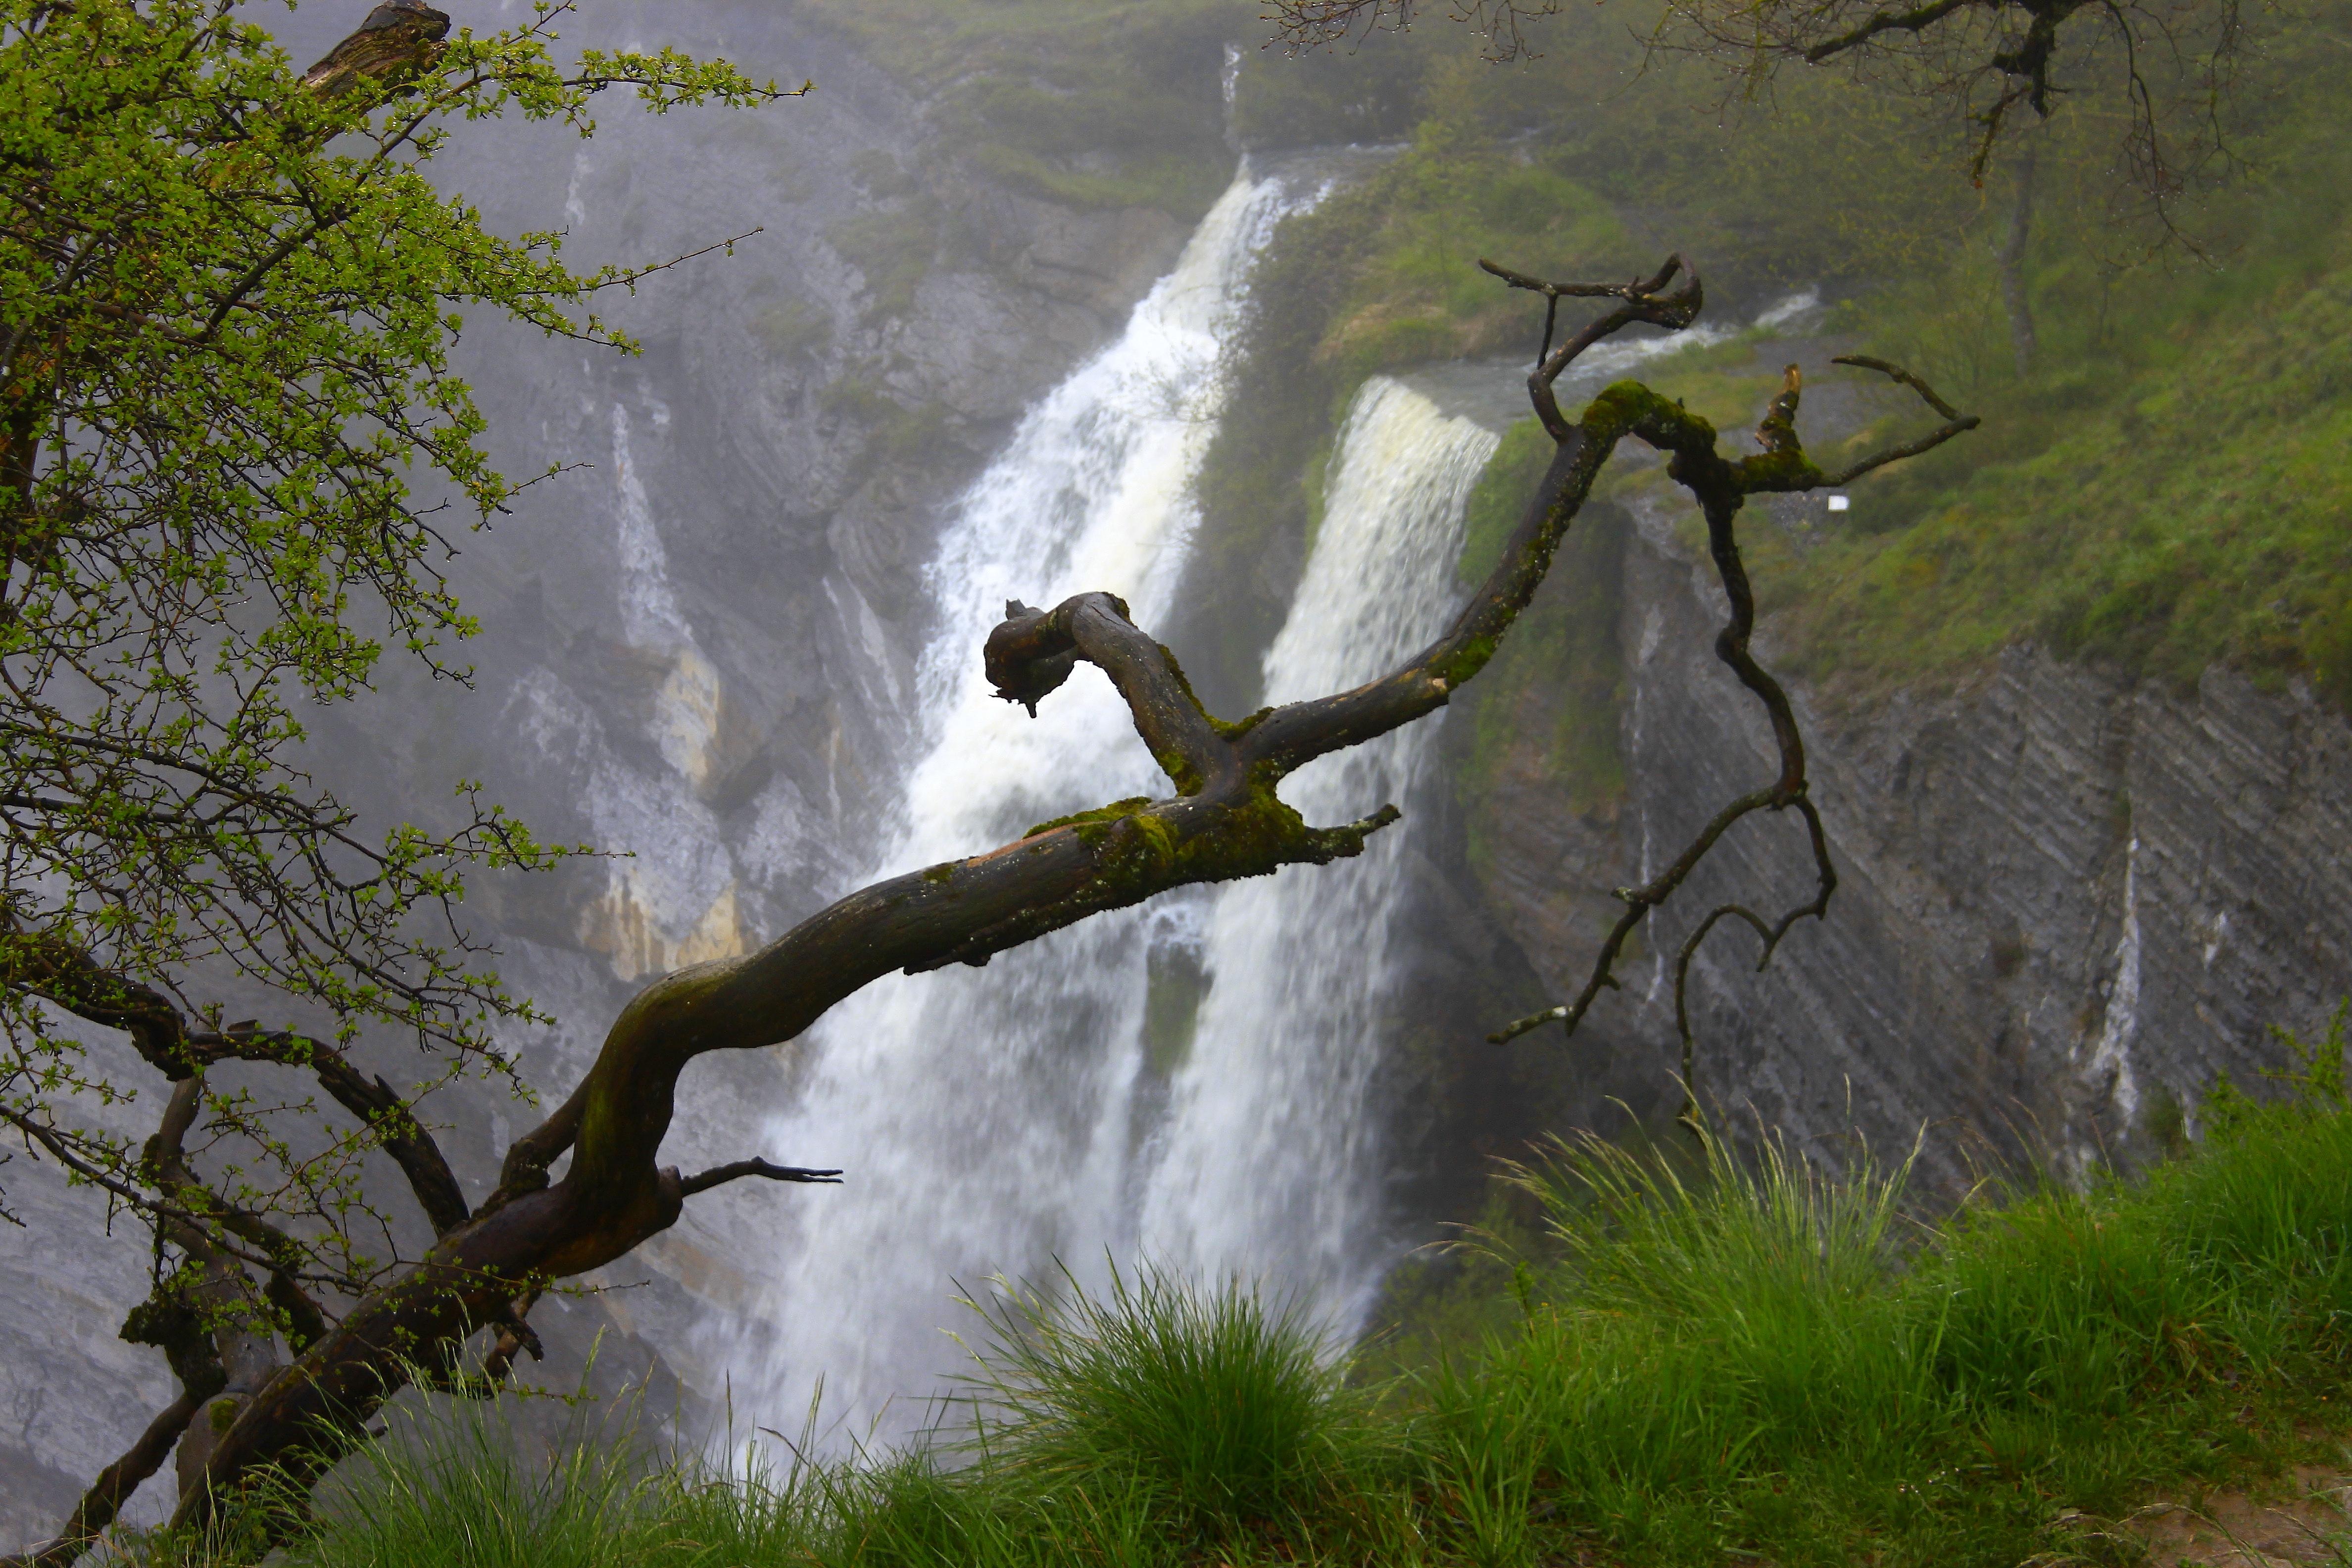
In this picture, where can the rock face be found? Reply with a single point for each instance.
(2066, 899)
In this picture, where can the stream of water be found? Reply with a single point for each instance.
(1187, 1083)
(1269, 1162)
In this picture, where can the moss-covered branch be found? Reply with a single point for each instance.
(1224, 821)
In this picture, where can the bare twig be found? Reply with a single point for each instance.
(717, 1175)
(1721, 486)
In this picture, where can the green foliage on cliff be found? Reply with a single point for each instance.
(1093, 105)
(2169, 488)
(1575, 166)
(1768, 1363)
(2162, 491)
(893, 247)
(2157, 492)
(1419, 226)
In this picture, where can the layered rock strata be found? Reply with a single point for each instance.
(2067, 899)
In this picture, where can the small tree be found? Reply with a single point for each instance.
(225, 347)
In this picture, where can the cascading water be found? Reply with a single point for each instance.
(1266, 1165)
(1190, 1083)
(994, 1122)
(984, 1116)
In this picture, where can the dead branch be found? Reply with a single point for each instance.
(1224, 820)
(718, 1175)
(1643, 301)
(514, 1334)
(1721, 486)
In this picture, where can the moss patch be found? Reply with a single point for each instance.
(1093, 826)
(1558, 684)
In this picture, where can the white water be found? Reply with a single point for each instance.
(2108, 1073)
(983, 1116)
(1267, 1165)
(994, 1122)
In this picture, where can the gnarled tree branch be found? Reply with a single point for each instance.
(1225, 820)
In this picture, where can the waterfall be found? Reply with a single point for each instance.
(1189, 1081)
(986, 1117)
(1267, 1164)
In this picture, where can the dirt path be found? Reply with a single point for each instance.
(2307, 1524)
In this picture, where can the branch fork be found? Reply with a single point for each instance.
(1224, 820)
(1721, 486)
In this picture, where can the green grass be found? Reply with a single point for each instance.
(2186, 510)
(1775, 1361)
(1215, 1407)
(1699, 1360)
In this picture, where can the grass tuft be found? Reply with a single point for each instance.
(1223, 1409)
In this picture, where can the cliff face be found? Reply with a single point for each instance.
(2066, 900)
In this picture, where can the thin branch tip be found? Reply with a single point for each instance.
(718, 1175)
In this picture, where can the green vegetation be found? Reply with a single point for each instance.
(1554, 690)
(1211, 1408)
(2166, 491)
(1093, 105)
(1419, 227)
(2163, 488)
(1763, 1363)
(1560, 168)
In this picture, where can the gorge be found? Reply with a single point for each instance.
(742, 651)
